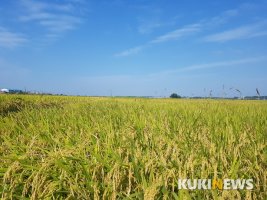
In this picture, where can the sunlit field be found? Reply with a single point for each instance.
(56, 147)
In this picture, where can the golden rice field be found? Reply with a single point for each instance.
(55, 147)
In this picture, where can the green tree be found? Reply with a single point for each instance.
(174, 95)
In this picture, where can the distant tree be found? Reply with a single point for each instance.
(174, 95)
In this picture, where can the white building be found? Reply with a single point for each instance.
(4, 90)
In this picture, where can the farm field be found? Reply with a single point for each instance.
(58, 147)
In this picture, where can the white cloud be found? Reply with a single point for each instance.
(37, 16)
(187, 30)
(38, 6)
(229, 63)
(221, 18)
(33, 6)
(9, 39)
(174, 35)
(178, 33)
(129, 52)
(224, 64)
(162, 82)
(61, 23)
(204, 25)
(243, 32)
(55, 18)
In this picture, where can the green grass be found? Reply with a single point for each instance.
(55, 147)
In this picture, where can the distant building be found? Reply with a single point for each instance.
(4, 90)
(12, 91)
(15, 91)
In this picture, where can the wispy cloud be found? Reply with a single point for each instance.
(61, 23)
(55, 18)
(173, 35)
(187, 30)
(178, 33)
(159, 79)
(243, 32)
(211, 65)
(149, 24)
(221, 18)
(10, 39)
(224, 64)
(203, 25)
(131, 51)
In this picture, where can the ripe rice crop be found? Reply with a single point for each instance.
(55, 147)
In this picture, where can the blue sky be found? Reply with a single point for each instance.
(141, 47)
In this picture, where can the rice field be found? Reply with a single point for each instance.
(56, 147)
